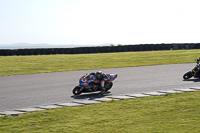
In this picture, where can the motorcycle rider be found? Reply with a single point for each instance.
(197, 74)
(99, 79)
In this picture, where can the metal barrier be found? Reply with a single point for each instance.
(103, 49)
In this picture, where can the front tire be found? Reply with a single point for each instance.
(187, 75)
(109, 86)
(76, 91)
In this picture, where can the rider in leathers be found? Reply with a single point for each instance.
(99, 79)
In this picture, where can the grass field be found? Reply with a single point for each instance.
(172, 113)
(16, 65)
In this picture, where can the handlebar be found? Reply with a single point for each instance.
(198, 60)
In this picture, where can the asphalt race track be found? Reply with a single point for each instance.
(23, 91)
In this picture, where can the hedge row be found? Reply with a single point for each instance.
(103, 49)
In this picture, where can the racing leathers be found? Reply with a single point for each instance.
(100, 82)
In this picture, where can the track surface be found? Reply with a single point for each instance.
(23, 91)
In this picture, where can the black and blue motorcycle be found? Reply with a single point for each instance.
(195, 72)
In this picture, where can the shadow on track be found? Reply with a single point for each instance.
(91, 95)
(194, 80)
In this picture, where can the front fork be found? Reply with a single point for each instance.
(195, 70)
(104, 84)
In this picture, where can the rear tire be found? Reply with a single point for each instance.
(76, 91)
(187, 75)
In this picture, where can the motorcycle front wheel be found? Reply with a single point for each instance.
(187, 75)
(109, 86)
(76, 90)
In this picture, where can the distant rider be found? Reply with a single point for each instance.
(98, 79)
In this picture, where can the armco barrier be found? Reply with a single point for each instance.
(2, 52)
(192, 46)
(102, 49)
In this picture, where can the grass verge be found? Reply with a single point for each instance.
(178, 113)
(17, 65)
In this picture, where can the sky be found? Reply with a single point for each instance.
(99, 21)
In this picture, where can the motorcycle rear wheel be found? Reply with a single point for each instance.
(76, 91)
(187, 75)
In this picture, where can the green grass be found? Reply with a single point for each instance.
(172, 113)
(17, 65)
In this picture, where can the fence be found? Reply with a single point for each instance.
(102, 49)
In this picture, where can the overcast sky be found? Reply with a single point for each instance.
(99, 21)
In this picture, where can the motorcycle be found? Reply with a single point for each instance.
(85, 85)
(195, 72)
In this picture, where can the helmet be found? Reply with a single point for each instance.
(99, 75)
